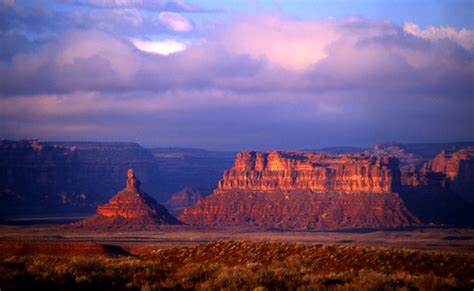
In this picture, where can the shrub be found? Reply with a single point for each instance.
(300, 267)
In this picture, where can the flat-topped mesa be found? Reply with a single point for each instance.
(305, 190)
(317, 172)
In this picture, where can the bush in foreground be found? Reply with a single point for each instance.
(245, 266)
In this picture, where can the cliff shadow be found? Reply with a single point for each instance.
(438, 205)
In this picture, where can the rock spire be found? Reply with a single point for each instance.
(130, 208)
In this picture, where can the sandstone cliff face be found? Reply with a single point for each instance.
(311, 171)
(305, 190)
(130, 208)
(455, 164)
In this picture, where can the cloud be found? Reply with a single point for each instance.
(291, 43)
(126, 3)
(79, 45)
(9, 3)
(261, 81)
(120, 20)
(176, 5)
(286, 55)
(79, 60)
(161, 47)
(175, 21)
(13, 44)
(463, 37)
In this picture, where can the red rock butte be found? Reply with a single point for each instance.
(305, 190)
(130, 208)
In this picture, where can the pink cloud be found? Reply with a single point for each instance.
(259, 53)
(463, 37)
(290, 43)
(264, 77)
(175, 21)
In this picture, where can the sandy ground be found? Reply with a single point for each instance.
(449, 239)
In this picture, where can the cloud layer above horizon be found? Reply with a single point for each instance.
(165, 75)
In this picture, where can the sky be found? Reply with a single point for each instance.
(237, 75)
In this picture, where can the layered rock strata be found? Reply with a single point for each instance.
(311, 171)
(456, 164)
(305, 190)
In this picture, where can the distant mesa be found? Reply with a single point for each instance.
(406, 159)
(186, 197)
(455, 167)
(68, 177)
(442, 190)
(184, 167)
(455, 164)
(130, 208)
(305, 190)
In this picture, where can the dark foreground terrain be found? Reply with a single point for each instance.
(183, 258)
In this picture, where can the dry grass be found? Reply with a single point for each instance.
(457, 240)
(244, 265)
